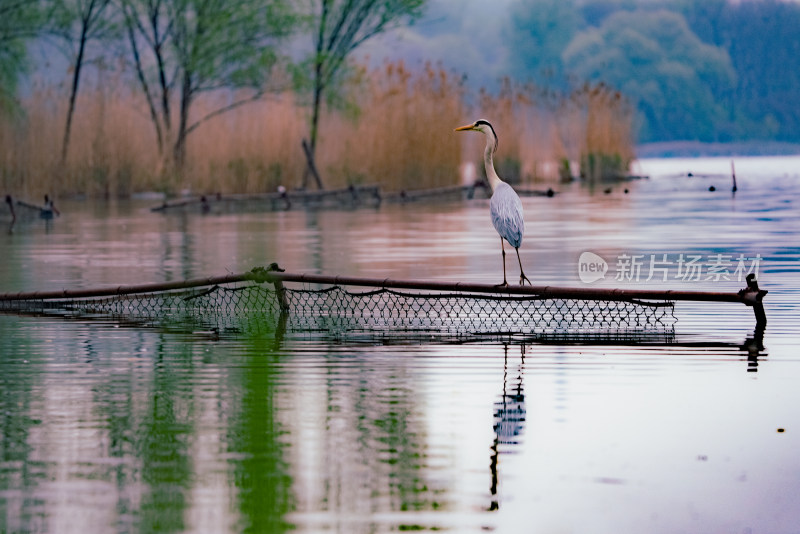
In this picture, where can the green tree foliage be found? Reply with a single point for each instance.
(539, 34)
(182, 48)
(20, 20)
(711, 70)
(763, 40)
(658, 62)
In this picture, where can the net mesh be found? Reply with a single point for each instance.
(339, 310)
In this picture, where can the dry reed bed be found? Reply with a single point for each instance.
(400, 136)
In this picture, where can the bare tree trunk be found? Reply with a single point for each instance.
(312, 166)
(315, 110)
(312, 145)
(76, 78)
(166, 111)
(318, 88)
(146, 89)
(179, 152)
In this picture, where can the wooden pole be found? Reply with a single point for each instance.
(749, 296)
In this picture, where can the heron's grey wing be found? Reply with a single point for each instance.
(506, 210)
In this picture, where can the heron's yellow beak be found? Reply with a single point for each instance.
(462, 128)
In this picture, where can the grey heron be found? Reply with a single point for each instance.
(505, 205)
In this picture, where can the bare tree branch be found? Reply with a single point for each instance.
(343, 26)
(197, 46)
(223, 110)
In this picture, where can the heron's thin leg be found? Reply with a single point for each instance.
(522, 277)
(503, 249)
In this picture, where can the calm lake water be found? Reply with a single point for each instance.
(105, 427)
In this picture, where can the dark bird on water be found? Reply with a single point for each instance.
(49, 210)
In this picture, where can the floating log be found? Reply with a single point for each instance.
(45, 211)
(438, 193)
(459, 192)
(280, 200)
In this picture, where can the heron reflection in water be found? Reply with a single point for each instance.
(505, 205)
(509, 419)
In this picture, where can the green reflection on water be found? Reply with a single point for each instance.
(374, 444)
(204, 417)
(126, 432)
(17, 471)
(254, 437)
(402, 448)
(163, 442)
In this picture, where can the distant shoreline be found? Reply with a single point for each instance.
(693, 149)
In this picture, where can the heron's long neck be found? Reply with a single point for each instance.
(488, 162)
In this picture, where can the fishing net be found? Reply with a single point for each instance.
(385, 309)
(247, 305)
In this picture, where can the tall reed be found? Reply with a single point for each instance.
(544, 134)
(398, 133)
(403, 136)
(596, 128)
(524, 124)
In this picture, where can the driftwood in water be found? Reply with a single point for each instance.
(348, 197)
(459, 192)
(47, 210)
(353, 196)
